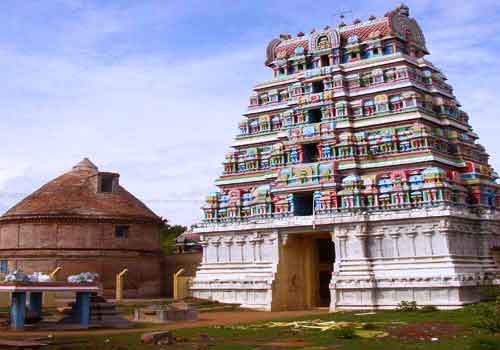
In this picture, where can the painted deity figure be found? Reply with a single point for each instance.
(294, 156)
(291, 206)
(318, 195)
(327, 151)
(323, 43)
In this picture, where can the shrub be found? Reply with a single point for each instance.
(369, 326)
(488, 316)
(407, 306)
(428, 308)
(485, 343)
(344, 333)
(490, 292)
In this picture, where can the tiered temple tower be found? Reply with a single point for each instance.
(355, 181)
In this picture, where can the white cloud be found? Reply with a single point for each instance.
(169, 122)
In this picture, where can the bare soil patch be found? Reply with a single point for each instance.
(431, 331)
(287, 343)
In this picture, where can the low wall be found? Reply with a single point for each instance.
(173, 263)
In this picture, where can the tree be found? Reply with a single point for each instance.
(168, 235)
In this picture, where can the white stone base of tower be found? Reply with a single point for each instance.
(434, 256)
(238, 268)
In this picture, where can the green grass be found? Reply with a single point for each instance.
(328, 340)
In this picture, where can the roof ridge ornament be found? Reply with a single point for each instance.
(85, 165)
(404, 10)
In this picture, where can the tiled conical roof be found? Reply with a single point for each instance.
(75, 195)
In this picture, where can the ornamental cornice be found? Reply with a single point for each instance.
(401, 281)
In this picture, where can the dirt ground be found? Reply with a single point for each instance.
(205, 319)
(431, 330)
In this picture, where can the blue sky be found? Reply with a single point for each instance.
(155, 89)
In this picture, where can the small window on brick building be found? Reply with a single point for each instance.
(121, 231)
(107, 183)
(4, 266)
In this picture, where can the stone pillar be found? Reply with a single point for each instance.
(256, 242)
(204, 246)
(483, 239)
(361, 243)
(342, 247)
(380, 250)
(17, 311)
(240, 242)
(412, 236)
(83, 308)
(216, 244)
(447, 232)
(395, 242)
(254, 252)
(228, 243)
(340, 251)
(430, 248)
(484, 243)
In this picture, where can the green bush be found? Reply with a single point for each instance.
(490, 292)
(344, 333)
(428, 308)
(488, 316)
(485, 343)
(407, 306)
(369, 326)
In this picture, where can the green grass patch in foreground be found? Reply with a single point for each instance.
(401, 331)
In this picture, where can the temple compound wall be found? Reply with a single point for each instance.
(436, 256)
(83, 245)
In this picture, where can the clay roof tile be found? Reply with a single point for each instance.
(75, 195)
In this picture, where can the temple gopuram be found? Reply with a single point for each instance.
(355, 181)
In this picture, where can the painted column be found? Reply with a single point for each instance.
(17, 311)
(36, 300)
(83, 308)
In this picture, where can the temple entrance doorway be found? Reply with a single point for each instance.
(325, 259)
(304, 272)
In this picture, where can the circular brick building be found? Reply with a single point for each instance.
(85, 221)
